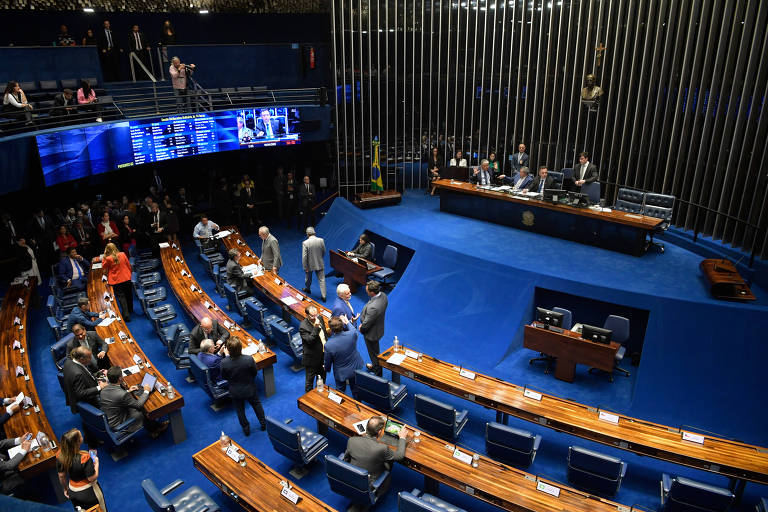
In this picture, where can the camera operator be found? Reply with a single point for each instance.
(179, 74)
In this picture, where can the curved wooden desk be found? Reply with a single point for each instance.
(268, 283)
(255, 487)
(121, 353)
(194, 304)
(730, 458)
(496, 483)
(31, 419)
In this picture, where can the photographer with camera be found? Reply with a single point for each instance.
(179, 74)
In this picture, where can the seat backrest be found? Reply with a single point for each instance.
(55, 327)
(594, 462)
(557, 179)
(629, 195)
(567, 172)
(231, 294)
(619, 325)
(629, 207)
(567, 317)
(28, 87)
(92, 81)
(285, 440)
(407, 502)
(245, 88)
(201, 373)
(592, 190)
(373, 251)
(156, 499)
(59, 349)
(227, 89)
(689, 495)
(346, 479)
(389, 258)
(70, 83)
(280, 333)
(93, 418)
(372, 383)
(513, 438)
(50, 303)
(659, 200)
(434, 409)
(658, 212)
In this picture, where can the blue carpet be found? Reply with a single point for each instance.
(464, 297)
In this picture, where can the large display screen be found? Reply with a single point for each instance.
(79, 152)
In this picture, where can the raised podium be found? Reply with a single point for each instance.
(725, 282)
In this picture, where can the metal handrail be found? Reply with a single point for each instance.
(133, 57)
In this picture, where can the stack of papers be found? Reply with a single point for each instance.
(96, 266)
(106, 322)
(164, 245)
(16, 449)
(396, 358)
(251, 349)
(222, 234)
(289, 301)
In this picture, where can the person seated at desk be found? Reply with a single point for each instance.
(204, 229)
(10, 479)
(235, 275)
(369, 453)
(541, 182)
(435, 162)
(482, 175)
(458, 160)
(521, 180)
(73, 270)
(82, 316)
(342, 306)
(64, 103)
(94, 343)
(208, 329)
(363, 249)
(15, 104)
(585, 172)
(211, 355)
(341, 354)
(119, 404)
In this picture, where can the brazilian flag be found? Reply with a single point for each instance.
(376, 183)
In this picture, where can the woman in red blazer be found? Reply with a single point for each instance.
(118, 270)
(107, 230)
(65, 240)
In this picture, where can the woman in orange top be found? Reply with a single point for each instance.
(79, 472)
(118, 270)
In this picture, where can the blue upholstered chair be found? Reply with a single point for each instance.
(381, 393)
(96, 422)
(145, 265)
(55, 327)
(388, 263)
(595, 472)
(419, 501)
(619, 326)
(167, 332)
(145, 280)
(567, 317)
(299, 444)
(178, 347)
(681, 494)
(234, 301)
(260, 317)
(353, 482)
(288, 340)
(439, 418)
(193, 499)
(557, 179)
(164, 313)
(59, 351)
(511, 445)
(630, 201)
(202, 375)
(593, 191)
(150, 297)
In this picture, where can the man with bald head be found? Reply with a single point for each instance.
(208, 329)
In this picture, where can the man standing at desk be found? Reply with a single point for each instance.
(342, 306)
(585, 172)
(312, 260)
(313, 337)
(270, 250)
(204, 230)
(368, 453)
(541, 182)
(372, 323)
(342, 356)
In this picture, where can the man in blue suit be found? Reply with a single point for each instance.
(73, 270)
(342, 306)
(341, 354)
(521, 180)
(519, 159)
(81, 315)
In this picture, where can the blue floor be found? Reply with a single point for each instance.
(464, 298)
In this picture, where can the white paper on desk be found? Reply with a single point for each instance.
(411, 354)
(164, 245)
(577, 328)
(96, 266)
(192, 287)
(333, 397)
(184, 273)
(289, 301)
(207, 304)
(19, 398)
(694, 438)
(548, 489)
(633, 216)
(467, 374)
(106, 322)
(251, 349)
(19, 371)
(396, 358)
(277, 281)
(248, 254)
(16, 449)
(16, 344)
(131, 370)
(104, 278)
(608, 417)
(176, 259)
(109, 341)
(222, 234)
(107, 296)
(326, 314)
(20, 302)
(290, 495)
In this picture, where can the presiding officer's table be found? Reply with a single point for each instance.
(504, 486)
(121, 353)
(256, 486)
(615, 230)
(198, 305)
(30, 418)
(738, 461)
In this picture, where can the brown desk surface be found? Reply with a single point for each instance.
(636, 221)
(729, 458)
(364, 265)
(194, 302)
(121, 354)
(256, 485)
(492, 481)
(25, 420)
(266, 283)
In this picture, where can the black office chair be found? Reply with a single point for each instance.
(630, 201)
(659, 206)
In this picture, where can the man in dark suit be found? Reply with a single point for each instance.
(518, 160)
(268, 128)
(41, 229)
(249, 209)
(235, 275)
(138, 44)
(313, 337)
(363, 249)
(119, 405)
(109, 52)
(94, 343)
(482, 175)
(342, 306)
(10, 479)
(81, 315)
(585, 172)
(307, 199)
(84, 238)
(73, 270)
(241, 372)
(520, 181)
(208, 329)
(80, 385)
(368, 453)
(158, 222)
(541, 182)
(341, 355)
(372, 322)
(64, 104)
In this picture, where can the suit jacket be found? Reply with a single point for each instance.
(241, 373)
(342, 356)
(590, 174)
(477, 178)
(368, 453)
(535, 182)
(79, 385)
(277, 128)
(212, 361)
(93, 341)
(84, 318)
(9, 476)
(515, 160)
(118, 403)
(162, 221)
(364, 251)
(60, 103)
(247, 198)
(340, 308)
(101, 39)
(313, 253)
(198, 335)
(235, 276)
(143, 43)
(65, 271)
(513, 179)
(307, 197)
(270, 253)
(372, 317)
(313, 345)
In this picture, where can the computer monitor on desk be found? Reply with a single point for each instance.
(549, 318)
(553, 195)
(596, 334)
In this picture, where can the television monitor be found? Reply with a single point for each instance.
(553, 194)
(549, 318)
(596, 334)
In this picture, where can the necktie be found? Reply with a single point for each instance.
(350, 307)
(269, 130)
(109, 38)
(583, 168)
(77, 272)
(157, 219)
(136, 38)
(42, 222)
(541, 185)
(307, 187)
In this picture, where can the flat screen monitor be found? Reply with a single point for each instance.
(596, 334)
(549, 318)
(553, 194)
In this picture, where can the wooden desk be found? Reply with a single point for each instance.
(729, 458)
(31, 419)
(355, 272)
(725, 282)
(254, 487)
(570, 348)
(496, 483)
(615, 230)
(194, 304)
(267, 283)
(121, 354)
